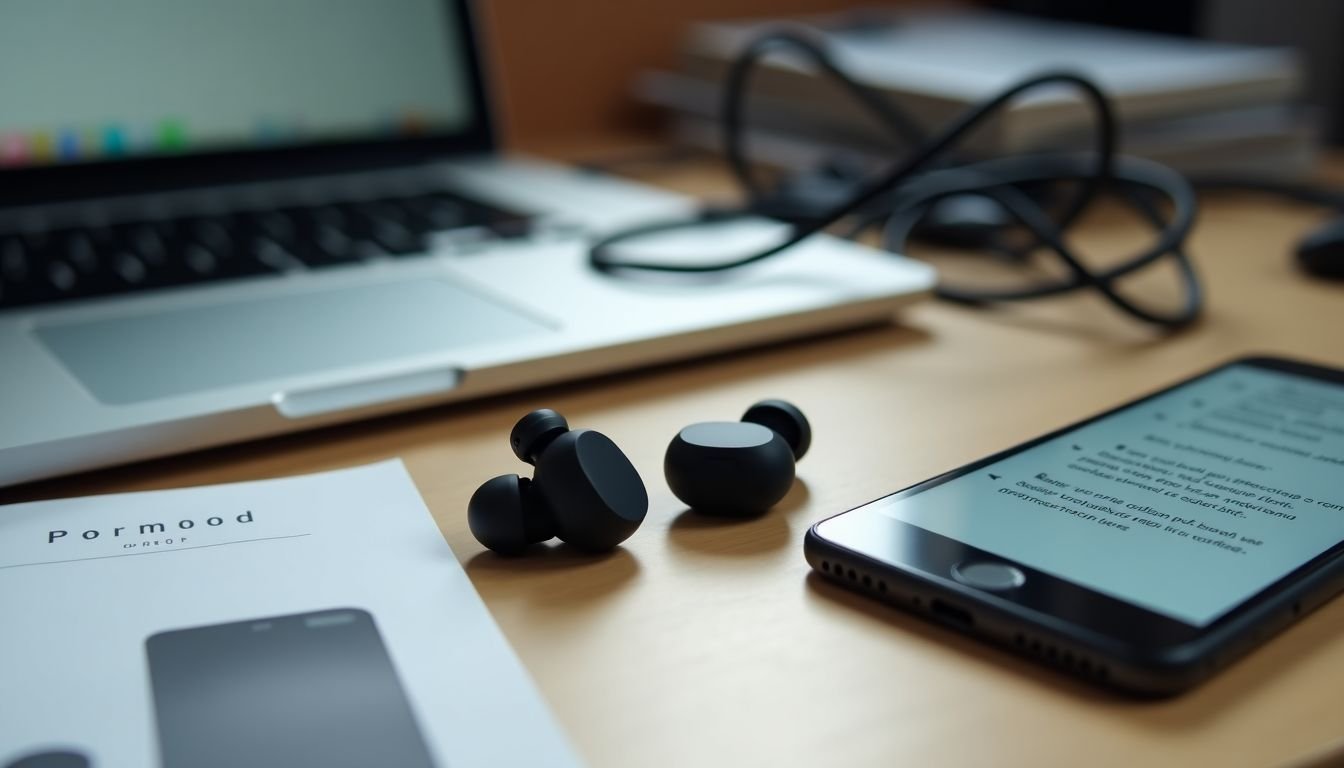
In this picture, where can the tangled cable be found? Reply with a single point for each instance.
(899, 199)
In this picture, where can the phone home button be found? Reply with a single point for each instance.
(995, 577)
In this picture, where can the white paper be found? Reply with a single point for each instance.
(78, 606)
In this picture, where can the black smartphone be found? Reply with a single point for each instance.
(1141, 549)
(306, 689)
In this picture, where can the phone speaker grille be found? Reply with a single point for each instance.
(858, 578)
(1053, 655)
(1036, 647)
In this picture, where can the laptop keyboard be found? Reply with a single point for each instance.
(80, 262)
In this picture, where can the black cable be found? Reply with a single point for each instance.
(733, 106)
(910, 188)
(872, 190)
(1000, 181)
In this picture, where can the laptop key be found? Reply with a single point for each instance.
(56, 277)
(210, 233)
(274, 255)
(200, 261)
(354, 221)
(130, 269)
(145, 241)
(329, 216)
(388, 210)
(398, 240)
(137, 256)
(387, 225)
(76, 265)
(433, 213)
(273, 224)
(62, 277)
(80, 253)
(332, 246)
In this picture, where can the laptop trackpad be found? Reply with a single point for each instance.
(176, 352)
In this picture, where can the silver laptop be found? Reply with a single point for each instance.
(226, 220)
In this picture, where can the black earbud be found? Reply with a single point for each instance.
(738, 468)
(584, 491)
(1322, 252)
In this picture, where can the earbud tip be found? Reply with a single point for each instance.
(786, 419)
(534, 432)
(497, 516)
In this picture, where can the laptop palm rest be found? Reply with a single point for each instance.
(136, 358)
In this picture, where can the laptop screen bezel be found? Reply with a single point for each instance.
(49, 183)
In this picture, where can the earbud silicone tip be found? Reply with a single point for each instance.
(497, 516)
(534, 432)
(786, 419)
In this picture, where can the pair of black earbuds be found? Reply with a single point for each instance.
(587, 493)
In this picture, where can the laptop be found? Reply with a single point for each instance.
(226, 220)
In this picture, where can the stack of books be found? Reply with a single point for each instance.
(1199, 106)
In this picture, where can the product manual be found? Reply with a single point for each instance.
(315, 620)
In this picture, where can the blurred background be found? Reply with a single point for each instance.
(581, 67)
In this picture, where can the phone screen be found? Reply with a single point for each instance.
(307, 689)
(1186, 503)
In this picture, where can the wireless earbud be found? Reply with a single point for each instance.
(738, 468)
(1322, 252)
(584, 491)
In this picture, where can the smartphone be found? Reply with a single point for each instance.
(305, 689)
(1142, 549)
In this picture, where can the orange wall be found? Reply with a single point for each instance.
(564, 67)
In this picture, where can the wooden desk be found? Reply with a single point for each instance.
(708, 643)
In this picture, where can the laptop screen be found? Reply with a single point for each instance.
(85, 82)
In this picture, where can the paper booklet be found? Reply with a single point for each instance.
(310, 621)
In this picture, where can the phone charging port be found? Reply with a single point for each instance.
(952, 614)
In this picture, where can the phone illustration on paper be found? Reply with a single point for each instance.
(304, 689)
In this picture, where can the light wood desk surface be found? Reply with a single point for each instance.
(708, 643)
